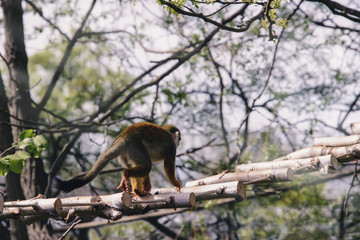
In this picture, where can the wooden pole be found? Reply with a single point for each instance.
(272, 175)
(355, 128)
(311, 164)
(337, 141)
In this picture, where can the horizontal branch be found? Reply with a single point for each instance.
(343, 154)
(37, 206)
(299, 165)
(224, 185)
(113, 207)
(215, 190)
(124, 219)
(168, 212)
(272, 175)
(137, 204)
(337, 141)
(355, 128)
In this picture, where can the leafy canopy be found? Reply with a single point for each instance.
(29, 145)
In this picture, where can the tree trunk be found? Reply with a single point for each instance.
(18, 229)
(5, 143)
(23, 116)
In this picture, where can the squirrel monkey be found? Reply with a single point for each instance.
(136, 147)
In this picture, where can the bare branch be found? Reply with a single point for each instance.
(351, 107)
(162, 228)
(193, 150)
(76, 222)
(40, 12)
(338, 9)
(242, 28)
(346, 198)
(65, 58)
(221, 94)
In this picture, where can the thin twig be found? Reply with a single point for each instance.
(40, 12)
(7, 150)
(76, 221)
(346, 199)
(193, 150)
(65, 58)
(221, 96)
(245, 26)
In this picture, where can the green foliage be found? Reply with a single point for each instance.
(84, 84)
(272, 16)
(196, 227)
(296, 92)
(31, 145)
(34, 144)
(299, 211)
(270, 148)
(173, 97)
(178, 3)
(133, 230)
(14, 162)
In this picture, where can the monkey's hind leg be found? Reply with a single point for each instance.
(141, 186)
(136, 175)
(146, 184)
(138, 166)
(124, 184)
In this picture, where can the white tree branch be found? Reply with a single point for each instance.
(327, 153)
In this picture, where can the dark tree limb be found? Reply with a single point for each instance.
(65, 58)
(338, 9)
(162, 228)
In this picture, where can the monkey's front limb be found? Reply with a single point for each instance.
(169, 166)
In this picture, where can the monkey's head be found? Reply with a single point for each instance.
(175, 133)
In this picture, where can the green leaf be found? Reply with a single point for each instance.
(17, 161)
(264, 23)
(281, 22)
(32, 143)
(22, 144)
(29, 133)
(14, 162)
(273, 14)
(34, 146)
(40, 144)
(22, 155)
(4, 166)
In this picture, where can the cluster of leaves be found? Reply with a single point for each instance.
(81, 91)
(274, 6)
(29, 145)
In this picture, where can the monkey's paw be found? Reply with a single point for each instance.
(146, 186)
(177, 186)
(141, 194)
(124, 184)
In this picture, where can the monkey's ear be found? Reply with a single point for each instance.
(176, 137)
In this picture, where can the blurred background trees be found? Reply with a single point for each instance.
(243, 80)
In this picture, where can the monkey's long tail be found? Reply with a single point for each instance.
(69, 185)
(111, 153)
